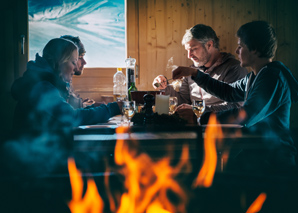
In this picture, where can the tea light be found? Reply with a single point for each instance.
(162, 104)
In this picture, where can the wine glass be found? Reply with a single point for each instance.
(198, 107)
(129, 109)
(173, 101)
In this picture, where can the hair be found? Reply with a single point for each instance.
(77, 41)
(201, 33)
(259, 36)
(58, 50)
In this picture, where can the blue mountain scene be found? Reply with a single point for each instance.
(100, 24)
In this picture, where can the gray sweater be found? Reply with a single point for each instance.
(226, 69)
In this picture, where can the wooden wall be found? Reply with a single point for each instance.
(162, 24)
(156, 27)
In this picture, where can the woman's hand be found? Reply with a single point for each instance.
(180, 72)
(160, 82)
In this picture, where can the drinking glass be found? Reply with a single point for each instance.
(198, 107)
(173, 101)
(129, 109)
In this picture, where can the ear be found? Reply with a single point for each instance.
(209, 44)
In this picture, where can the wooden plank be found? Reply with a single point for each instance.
(142, 44)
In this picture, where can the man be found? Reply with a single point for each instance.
(202, 46)
(267, 92)
(74, 99)
(82, 52)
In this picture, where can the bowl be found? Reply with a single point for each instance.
(138, 96)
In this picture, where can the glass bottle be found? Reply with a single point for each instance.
(130, 71)
(131, 89)
(130, 76)
(119, 88)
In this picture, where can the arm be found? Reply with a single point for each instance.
(231, 71)
(229, 92)
(233, 92)
(52, 103)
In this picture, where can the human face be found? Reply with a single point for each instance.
(245, 56)
(81, 61)
(81, 64)
(197, 52)
(68, 67)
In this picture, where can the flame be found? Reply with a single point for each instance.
(256, 206)
(206, 174)
(147, 182)
(92, 201)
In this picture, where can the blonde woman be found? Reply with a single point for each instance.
(43, 90)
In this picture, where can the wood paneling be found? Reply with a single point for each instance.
(156, 27)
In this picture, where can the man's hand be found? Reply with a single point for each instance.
(180, 72)
(160, 82)
(88, 102)
(185, 111)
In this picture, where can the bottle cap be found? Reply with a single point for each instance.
(119, 69)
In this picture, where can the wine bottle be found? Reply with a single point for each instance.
(131, 89)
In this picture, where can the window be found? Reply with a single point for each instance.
(100, 24)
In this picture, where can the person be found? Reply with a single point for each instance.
(74, 99)
(267, 92)
(81, 60)
(42, 93)
(202, 46)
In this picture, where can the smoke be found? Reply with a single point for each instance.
(34, 156)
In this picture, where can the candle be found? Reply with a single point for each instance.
(162, 104)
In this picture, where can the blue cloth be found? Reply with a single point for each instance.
(42, 102)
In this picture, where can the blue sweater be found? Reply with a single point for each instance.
(42, 102)
(267, 102)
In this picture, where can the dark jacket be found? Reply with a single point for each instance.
(42, 102)
(267, 102)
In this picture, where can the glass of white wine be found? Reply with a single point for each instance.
(129, 109)
(198, 107)
(173, 101)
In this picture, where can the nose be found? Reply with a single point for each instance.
(189, 53)
(83, 61)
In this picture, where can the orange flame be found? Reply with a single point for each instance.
(206, 174)
(92, 201)
(148, 182)
(256, 206)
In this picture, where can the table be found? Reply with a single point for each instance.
(156, 141)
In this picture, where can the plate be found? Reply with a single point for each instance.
(223, 125)
(98, 126)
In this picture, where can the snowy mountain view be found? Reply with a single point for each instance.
(100, 24)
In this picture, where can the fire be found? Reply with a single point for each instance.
(147, 182)
(206, 174)
(92, 201)
(256, 206)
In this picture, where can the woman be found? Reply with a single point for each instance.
(267, 92)
(43, 91)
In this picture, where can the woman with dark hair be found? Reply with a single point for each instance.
(268, 92)
(43, 90)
